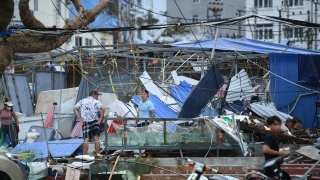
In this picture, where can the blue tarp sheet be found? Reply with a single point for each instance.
(244, 44)
(309, 69)
(208, 86)
(181, 92)
(161, 109)
(58, 148)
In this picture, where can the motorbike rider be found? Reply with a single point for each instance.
(271, 144)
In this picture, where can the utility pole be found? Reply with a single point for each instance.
(316, 29)
(287, 3)
(255, 11)
(279, 35)
(239, 24)
(311, 17)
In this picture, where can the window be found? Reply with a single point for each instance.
(36, 8)
(196, 1)
(195, 18)
(263, 3)
(265, 31)
(298, 32)
(288, 32)
(295, 2)
(78, 41)
(88, 42)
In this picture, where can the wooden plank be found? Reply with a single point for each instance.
(309, 152)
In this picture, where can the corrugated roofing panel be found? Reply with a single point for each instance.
(285, 92)
(181, 92)
(240, 85)
(245, 44)
(161, 109)
(266, 110)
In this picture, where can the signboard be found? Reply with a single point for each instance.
(228, 124)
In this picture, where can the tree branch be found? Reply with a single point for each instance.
(37, 42)
(78, 6)
(27, 17)
(6, 12)
(48, 43)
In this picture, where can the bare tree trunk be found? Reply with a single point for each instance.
(27, 17)
(37, 42)
(78, 6)
(6, 13)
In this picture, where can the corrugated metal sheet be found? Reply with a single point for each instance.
(181, 92)
(266, 110)
(161, 109)
(240, 86)
(286, 94)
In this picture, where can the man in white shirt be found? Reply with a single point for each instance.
(89, 118)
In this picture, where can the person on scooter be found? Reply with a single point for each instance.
(271, 144)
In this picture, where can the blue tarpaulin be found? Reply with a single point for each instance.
(161, 109)
(58, 148)
(181, 92)
(309, 69)
(208, 86)
(244, 44)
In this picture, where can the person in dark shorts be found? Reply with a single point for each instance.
(89, 118)
(271, 144)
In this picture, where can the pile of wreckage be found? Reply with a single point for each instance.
(177, 126)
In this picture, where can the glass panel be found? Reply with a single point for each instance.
(260, 4)
(266, 3)
(153, 135)
(296, 32)
(270, 34)
(260, 33)
(300, 2)
(300, 32)
(266, 34)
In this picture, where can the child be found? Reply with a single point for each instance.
(271, 144)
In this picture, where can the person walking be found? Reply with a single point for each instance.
(271, 144)
(89, 118)
(6, 115)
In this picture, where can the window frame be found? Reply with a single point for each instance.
(78, 40)
(195, 1)
(195, 17)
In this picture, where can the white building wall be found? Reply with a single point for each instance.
(136, 12)
(46, 12)
(269, 31)
(96, 39)
(49, 16)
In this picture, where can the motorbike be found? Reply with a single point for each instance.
(271, 169)
(199, 168)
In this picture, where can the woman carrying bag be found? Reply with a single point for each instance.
(6, 115)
